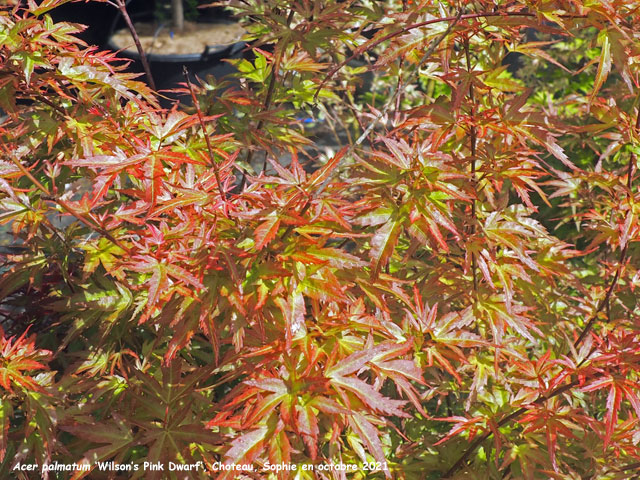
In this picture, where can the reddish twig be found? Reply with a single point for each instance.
(375, 42)
(212, 160)
(604, 302)
(512, 416)
(66, 206)
(621, 259)
(269, 97)
(122, 7)
(473, 141)
(394, 93)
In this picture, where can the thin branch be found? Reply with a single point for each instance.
(212, 160)
(621, 259)
(393, 94)
(46, 101)
(54, 230)
(512, 416)
(400, 90)
(631, 466)
(122, 7)
(473, 141)
(66, 206)
(375, 42)
(272, 83)
(269, 97)
(604, 302)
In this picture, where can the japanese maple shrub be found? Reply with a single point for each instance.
(403, 238)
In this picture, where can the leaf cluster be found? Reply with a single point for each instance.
(377, 244)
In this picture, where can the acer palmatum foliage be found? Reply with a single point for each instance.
(444, 290)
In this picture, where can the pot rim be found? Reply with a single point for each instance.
(207, 53)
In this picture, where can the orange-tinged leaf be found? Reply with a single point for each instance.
(183, 333)
(620, 57)
(244, 449)
(368, 433)
(532, 48)
(275, 385)
(462, 424)
(280, 450)
(302, 62)
(266, 231)
(18, 357)
(546, 140)
(614, 399)
(6, 412)
(263, 408)
(157, 284)
(293, 310)
(604, 66)
(323, 174)
(384, 242)
(328, 406)
(45, 5)
(370, 396)
(335, 257)
(155, 172)
(241, 100)
(354, 362)
(307, 424)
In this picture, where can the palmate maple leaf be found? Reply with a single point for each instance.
(18, 356)
(278, 305)
(556, 421)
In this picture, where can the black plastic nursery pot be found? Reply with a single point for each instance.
(167, 69)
